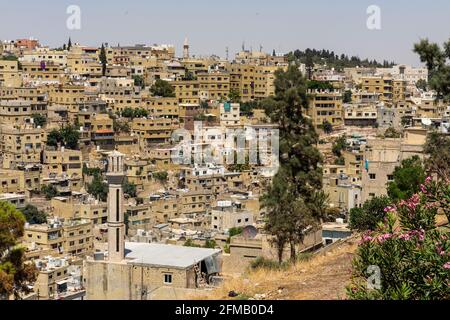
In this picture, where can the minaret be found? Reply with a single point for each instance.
(186, 49)
(116, 220)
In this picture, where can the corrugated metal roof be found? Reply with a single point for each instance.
(166, 255)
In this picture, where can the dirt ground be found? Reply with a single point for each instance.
(323, 277)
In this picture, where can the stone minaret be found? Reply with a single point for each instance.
(116, 220)
(186, 49)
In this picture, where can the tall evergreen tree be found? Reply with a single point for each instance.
(300, 173)
(69, 44)
(103, 59)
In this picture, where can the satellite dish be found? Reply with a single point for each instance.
(249, 232)
(426, 122)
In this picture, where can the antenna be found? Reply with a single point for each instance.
(226, 50)
(243, 46)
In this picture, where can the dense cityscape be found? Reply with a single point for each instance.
(131, 172)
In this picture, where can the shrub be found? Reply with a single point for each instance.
(263, 263)
(411, 253)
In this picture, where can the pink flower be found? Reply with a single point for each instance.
(423, 188)
(390, 209)
(428, 179)
(447, 265)
(384, 237)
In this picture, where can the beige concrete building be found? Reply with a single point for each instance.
(68, 236)
(21, 145)
(326, 106)
(63, 168)
(9, 74)
(133, 270)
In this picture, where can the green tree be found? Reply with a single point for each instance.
(69, 44)
(327, 127)
(103, 59)
(70, 137)
(320, 85)
(392, 133)
(16, 276)
(129, 188)
(234, 231)
(437, 147)
(33, 215)
(49, 191)
(409, 251)
(234, 96)
(98, 188)
(190, 243)
(435, 59)
(121, 126)
(92, 172)
(339, 145)
(162, 88)
(67, 136)
(161, 176)
(189, 76)
(39, 120)
(53, 138)
(300, 172)
(369, 215)
(139, 81)
(422, 84)
(347, 98)
(210, 244)
(407, 179)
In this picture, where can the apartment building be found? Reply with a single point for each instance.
(9, 74)
(214, 85)
(154, 130)
(187, 91)
(326, 106)
(162, 107)
(42, 72)
(20, 181)
(138, 171)
(68, 236)
(85, 207)
(21, 145)
(20, 112)
(242, 80)
(62, 168)
(360, 115)
(227, 215)
(59, 279)
(229, 114)
(16, 199)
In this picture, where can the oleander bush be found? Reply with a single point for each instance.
(407, 257)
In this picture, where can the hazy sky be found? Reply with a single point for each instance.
(212, 25)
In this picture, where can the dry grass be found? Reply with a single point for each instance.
(323, 277)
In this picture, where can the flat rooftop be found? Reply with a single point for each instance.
(165, 255)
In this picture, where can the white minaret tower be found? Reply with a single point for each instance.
(186, 49)
(116, 220)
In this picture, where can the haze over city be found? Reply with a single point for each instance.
(211, 26)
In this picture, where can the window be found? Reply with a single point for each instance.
(167, 278)
(390, 177)
(372, 176)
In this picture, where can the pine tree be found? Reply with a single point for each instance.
(69, 44)
(300, 173)
(103, 59)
